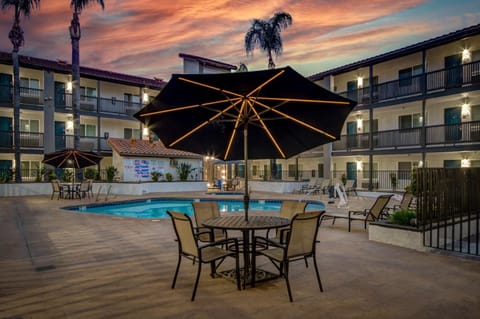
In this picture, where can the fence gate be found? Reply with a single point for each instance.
(448, 208)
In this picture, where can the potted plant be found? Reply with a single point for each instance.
(91, 173)
(169, 177)
(184, 170)
(156, 176)
(344, 179)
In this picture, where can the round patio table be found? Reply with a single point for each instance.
(248, 228)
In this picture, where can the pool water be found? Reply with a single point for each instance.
(157, 208)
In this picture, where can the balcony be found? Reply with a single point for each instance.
(464, 75)
(451, 134)
(28, 96)
(32, 140)
(87, 143)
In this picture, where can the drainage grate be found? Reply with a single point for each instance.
(45, 268)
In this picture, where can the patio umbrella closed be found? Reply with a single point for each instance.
(245, 115)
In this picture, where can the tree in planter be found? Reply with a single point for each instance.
(393, 180)
(111, 172)
(184, 170)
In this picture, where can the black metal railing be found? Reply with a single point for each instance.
(448, 78)
(27, 140)
(463, 133)
(448, 209)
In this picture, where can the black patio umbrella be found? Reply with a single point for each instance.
(71, 158)
(279, 112)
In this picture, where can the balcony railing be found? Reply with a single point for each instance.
(87, 143)
(467, 132)
(27, 140)
(465, 74)
(28, 96)
(94, 104)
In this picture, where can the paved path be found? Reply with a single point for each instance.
(59, 264)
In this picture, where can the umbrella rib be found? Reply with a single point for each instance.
(302, 100)
(182, 108)
(237, 122)
(203, 124)
(296, 120)
(258, 88)
(279, 149)
(209, 87)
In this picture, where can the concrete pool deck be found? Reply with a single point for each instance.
(60, 264)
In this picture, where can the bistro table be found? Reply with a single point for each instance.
(248, 228)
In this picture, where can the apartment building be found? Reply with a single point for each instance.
(417, 106)
(108, 101)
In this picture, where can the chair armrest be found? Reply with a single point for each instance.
(284, 234)
(359, 212)
(222, 242)
(267, 242)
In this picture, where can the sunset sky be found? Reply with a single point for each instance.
(144, 37)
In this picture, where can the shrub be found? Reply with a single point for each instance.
(183, 170)
(91, 173)
(67, 175)
(402, 217)
(169, 177)
(156, 176)
(111, 172)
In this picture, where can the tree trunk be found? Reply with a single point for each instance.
(75, 35)
(16, 115)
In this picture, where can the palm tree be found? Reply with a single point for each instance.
(266, 35)
(21, 7)
(75, 34)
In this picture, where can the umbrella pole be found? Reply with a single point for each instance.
(246, 197)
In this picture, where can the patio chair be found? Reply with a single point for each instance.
(82, 191)
(350, 187)
(405, 203)
(376, 212)
(188, 247)
(300, 244)
(203, 211)
(288, 209)
(57, 189)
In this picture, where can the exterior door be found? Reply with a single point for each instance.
(59, 136)
(60, 94)
(352, 171)
(5, 88)
(352, 90)
(5, 170)
(453, 129)
(351, 134)
(453, 70)
(6, 132)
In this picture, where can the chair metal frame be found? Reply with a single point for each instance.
(189, 248)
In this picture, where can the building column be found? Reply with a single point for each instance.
(48, 112)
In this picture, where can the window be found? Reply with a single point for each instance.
(409, 121)
(404, 170)
(352, 90)
(475, 113)
(129, 132)
(88, 130)
(254, 170)
(292, 169)
(405, 75)
(30, 169)
(30, 126)
(29, 83)
(366, 126)
(366, 170)
(87, 92)
(131, 98)
(320, 170)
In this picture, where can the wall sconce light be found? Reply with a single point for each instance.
(69, 123)
(359, 123)
(145, 131)
(465, 162)
(466, 56)
(359, 82)
(420, 163)
(465, 109)
(359, 165)
(69, 87)
(106, 135)
(145, 97)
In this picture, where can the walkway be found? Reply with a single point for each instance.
(59, 264)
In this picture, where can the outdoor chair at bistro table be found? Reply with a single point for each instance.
(189, 247)
(300, 244)
(203, 211)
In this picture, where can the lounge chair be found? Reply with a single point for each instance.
(203, 211)
(188, 247)
(405, 203)
(350, 187)
(377, 211)
(300, 244)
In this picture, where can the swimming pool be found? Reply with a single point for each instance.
(157, 207)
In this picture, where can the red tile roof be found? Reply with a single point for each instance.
(143, 148)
